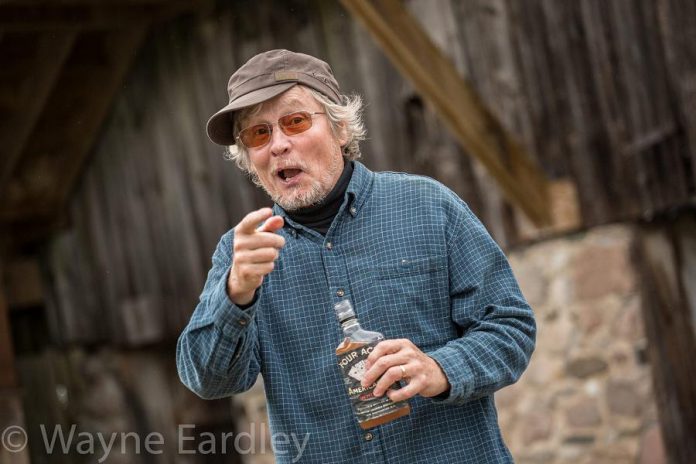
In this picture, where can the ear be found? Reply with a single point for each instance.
(342, 135)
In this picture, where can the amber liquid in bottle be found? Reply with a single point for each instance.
(352, 353)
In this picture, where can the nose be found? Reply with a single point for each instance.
(280, 143)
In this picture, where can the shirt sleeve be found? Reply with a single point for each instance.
(496, 323)
(217, 354)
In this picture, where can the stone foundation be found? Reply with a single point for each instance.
(587, 394)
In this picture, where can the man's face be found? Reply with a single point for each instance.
(296, 170)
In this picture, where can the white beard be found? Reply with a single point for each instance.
(316, 192)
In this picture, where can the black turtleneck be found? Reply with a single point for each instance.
(319, 217)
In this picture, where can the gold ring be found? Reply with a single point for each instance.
(403, 371)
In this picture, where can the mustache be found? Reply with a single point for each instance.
(289, 165)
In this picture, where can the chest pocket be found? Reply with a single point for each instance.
(410, 299)
(405, 267)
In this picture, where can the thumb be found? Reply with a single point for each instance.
(272, 224)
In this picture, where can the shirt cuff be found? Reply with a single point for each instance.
(458, 373)
(229, 318)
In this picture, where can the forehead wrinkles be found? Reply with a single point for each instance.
(295, 99)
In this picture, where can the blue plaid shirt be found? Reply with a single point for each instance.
(417, 264)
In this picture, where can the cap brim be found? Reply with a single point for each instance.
(220, 126)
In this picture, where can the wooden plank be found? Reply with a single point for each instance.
(36, 80)
(671, 341)
(475, 36)
(404, 41)
(105, 251)
(218, 180)
(12, 416)
(8, 376)
(23, 283)
(646, 106)
(574, 102)
(686, 242)
(608, 91)
(378, 83)
(139, 304)
(677, 25)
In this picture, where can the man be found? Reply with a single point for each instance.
(406, 251)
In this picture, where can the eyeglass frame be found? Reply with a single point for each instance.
(270, 126)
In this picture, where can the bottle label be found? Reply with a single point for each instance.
(365, 405)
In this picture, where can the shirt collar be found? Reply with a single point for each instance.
(357, 192)
(359, 187)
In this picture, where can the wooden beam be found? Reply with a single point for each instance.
(671, 334)
(406, 43)
(11, 411)
(37, 78)
(53, 159)
(565, 213)
(87, 15)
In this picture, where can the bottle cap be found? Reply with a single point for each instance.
(344, 310)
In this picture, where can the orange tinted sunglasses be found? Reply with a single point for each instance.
(259, 135)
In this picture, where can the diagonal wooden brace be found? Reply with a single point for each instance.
(435, 77)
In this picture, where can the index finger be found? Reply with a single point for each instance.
(382, 348)
(251, 221)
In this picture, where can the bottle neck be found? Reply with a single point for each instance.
(350, 324)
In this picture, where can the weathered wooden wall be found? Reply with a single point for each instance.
(598, 92)
(111, 394)
(601, 93)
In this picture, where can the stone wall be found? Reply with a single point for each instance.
(587, 394)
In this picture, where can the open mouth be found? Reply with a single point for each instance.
(287, 174)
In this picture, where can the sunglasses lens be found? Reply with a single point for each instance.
(255, 136)
(291, 124)
(295, 123)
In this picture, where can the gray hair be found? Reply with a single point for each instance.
(348, 113)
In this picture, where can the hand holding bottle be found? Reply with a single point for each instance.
(399, 359)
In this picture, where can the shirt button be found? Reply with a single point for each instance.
(242, 322)
(369, 436)
(329, 245)
(340, 292)
(353, 210)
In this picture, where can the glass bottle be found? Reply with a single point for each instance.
(352, 354)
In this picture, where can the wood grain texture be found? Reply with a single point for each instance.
(573, 81)
(671, 331)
